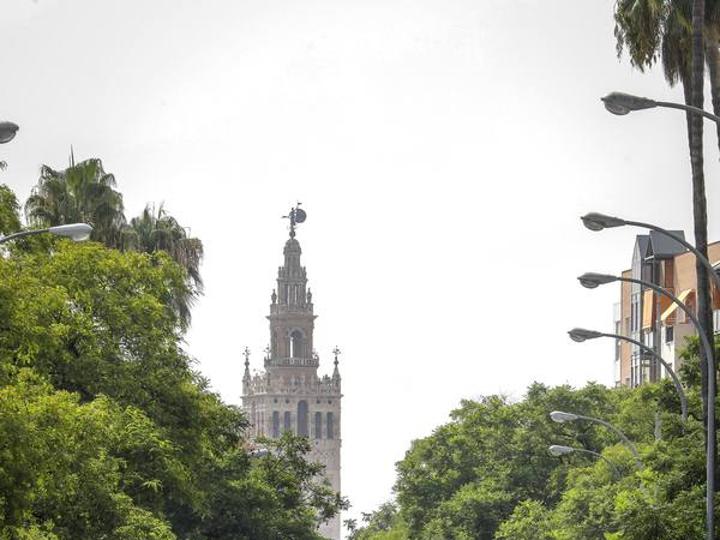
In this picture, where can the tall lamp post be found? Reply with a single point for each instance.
(76, 231)
(581, 334)
(591, 280)
(558, 450)
(562, 417)
(620, 103)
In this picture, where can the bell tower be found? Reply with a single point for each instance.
(289, 395)
(291, 310)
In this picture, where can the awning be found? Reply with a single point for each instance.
(682, 297)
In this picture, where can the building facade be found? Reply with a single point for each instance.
(289, 395)
(651, 318)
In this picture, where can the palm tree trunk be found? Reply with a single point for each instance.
(712, 55)
(700, 227)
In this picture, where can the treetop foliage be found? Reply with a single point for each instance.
(487, 473)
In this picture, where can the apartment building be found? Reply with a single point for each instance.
(651, 318)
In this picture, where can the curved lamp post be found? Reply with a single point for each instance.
(77, 231)
(561, 417)
(559, 450)
(8, 131)
(581, 334)
(621, 104)
(598, 222)
(592, 280)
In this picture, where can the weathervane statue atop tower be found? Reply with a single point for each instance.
(296, 215)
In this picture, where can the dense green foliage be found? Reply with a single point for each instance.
(106, 430)
(487, 474)
(85, 193)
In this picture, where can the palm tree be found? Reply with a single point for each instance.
(156, 230)
(83, 192)
(686, 34)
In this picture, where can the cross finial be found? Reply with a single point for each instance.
(336, 351)
(246, 354)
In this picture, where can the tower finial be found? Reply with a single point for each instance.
(296, 215)
(246, 354)
(336, 372)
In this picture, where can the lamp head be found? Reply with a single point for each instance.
(561, 417)
(581, 334)
(8, 131)
(620, 103)
(597, 222)
(591, 280)
(558, 450)
(77, 231)
(259, 452)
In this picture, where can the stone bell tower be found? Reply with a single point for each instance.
(289, 395)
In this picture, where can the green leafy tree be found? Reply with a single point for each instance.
(9, 211)
(528, 521)
(487, 473)
(61, 470)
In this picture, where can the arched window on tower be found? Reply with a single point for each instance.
(330, 430)
(276, 424)
(296, 341)
(302, 418)
(287, 424)
(318, 425)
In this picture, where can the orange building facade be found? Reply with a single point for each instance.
(651, 318)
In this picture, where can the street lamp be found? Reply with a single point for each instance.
(8, 131)
(76, 231)
(621, 104)
(581, 334)
(598, 222)
(259, 452)
(559, 450)
(561, 417)
(591, 280)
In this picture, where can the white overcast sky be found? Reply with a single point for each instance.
(443, 150)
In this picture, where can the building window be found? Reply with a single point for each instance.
(296, 344)
(302, 418)
(330, 430)
(716, 320)
(276, 424)
(669, 334)
(318, 425)
(287, 421)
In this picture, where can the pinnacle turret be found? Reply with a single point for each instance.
(246, 376)
(336, 371)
